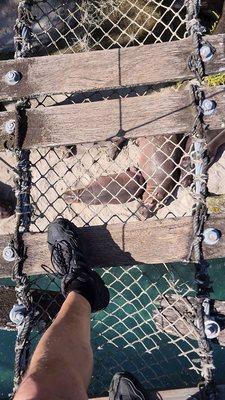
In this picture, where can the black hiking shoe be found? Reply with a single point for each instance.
(69, 262)
(125, 386)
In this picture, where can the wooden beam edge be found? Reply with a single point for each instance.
(176, 394)
(165, 113)
(149, 242)
(106, 69)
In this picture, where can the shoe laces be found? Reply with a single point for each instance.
(61, 257)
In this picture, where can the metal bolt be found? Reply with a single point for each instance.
(12, 77)
(10, 126)
(212, 329)
(206, 53)
(26, 32)
(208, 106)
(9, 254)
(211, 236)
(17, 314)
(206, 306)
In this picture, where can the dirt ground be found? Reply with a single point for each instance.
(53, 173)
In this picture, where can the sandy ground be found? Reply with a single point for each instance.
(53, 173)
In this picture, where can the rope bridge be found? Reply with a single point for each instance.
(140, 153)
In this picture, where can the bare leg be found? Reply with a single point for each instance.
(61, 366)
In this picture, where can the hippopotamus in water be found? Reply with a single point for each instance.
(109, 189)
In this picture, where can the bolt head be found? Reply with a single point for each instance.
(206, 53)
(9, 254)
(12, 77)
(17, 314)
(208, 106)
(211, 236)
(212, 329)
(10, 126)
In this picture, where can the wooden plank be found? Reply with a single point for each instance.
(106, 69)
(164, 113)
(159, 113)
(46, 303)
(171, 316)
(177, 394)
(148, 242)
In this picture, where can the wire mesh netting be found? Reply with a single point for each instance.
(92, 25)
(93, 188)
(116, 182)
(126, 337)
(70, 180)
(8, 199)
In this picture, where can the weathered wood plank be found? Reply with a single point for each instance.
(177, 394)
(150, 64)
(148, 242)
(164, 113)
(46, 303)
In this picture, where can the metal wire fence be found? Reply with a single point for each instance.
(92, 25)
(7, 195)
(146, 180)
(116, 182)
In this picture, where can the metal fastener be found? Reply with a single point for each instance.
(211, 236)
(17, 314)
(206, 306)
(212, 329)
(12, 77)
(9, 254)
(208, 106)
(206, 53)
(10, 126)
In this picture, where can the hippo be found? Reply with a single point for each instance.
(61, 25)
(109, 189)
(159, 164)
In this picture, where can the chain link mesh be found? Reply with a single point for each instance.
(158, 175)
(126, 336)
(92, 25)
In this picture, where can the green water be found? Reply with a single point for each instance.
(123, 336)
(7, 340)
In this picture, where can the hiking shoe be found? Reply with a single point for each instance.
(68, 256)
(125, 386)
